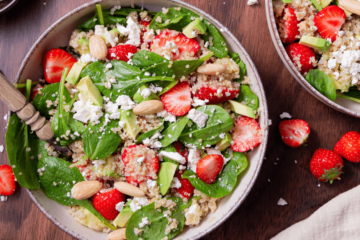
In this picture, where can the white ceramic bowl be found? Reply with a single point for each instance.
(343, 105)
(59, 34)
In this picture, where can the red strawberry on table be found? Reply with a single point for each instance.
(295, 132)
(54, 63)
(288, 26)
(141, 163)
(7, 180)
(246, 134)
(186, 189)
(105, 203)
(177, 100)
(121, 52)
(186, 46)
(329, 21)
(209, 167)
(302, 56)
(216, 94)
(349, 147)
(326, 165)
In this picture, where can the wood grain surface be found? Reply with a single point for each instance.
(259, 217)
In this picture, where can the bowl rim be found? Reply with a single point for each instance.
(264, 109)
(291, 67)
(7, 7)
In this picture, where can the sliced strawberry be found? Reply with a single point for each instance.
(181, 149)
(295, 132)
(35, 91)
(349, 146)
(141, 163)
(329, 21)
(177, 100)
(187, 47)
(144, 23)
(7, 180)
(186, 189)
(105, 203)
(121, 52)
(54, 63)
(288, 26)
(246, 135)
(302, 56)
(216, 95)
(209, 167)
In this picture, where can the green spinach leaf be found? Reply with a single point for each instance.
(248, 97)
(224, 184)
(173, 131)
(57, 181)
(322, 82)
(240, 160)
(99, 144)
(149, 134)
(22, 151)
(49, 92)
(218, 46)
(219, 121)
(242, 66)
(144, 59)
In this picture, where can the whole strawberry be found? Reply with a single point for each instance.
(349, 147)
(294, 132)
(105, 203)
(326, 165)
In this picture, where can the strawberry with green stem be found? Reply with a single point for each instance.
(326, 165)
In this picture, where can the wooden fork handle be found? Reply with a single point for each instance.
(17, 103)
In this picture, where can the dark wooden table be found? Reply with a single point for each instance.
(259, 217)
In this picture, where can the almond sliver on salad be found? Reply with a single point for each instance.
(158, 114)
(322, 39)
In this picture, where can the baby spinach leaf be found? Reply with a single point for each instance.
(41, 149)
(248, 97)
(168, 87)
(219, 121)
(173, 131)
(224, 184)
(49, 92)
(144, 59)
(129, 78)
(352, 92)
(242, 66)
(322, 82)
(149, 134)
(240, 160)
(57, 181)
(102, 142)
(218, 47)
(22, 151)
(156, 230)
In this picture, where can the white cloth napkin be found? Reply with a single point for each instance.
(339, 219)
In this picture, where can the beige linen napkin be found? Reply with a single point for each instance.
(339, 219)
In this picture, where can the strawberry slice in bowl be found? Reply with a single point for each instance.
(177, 100)
(121, 52)
(186, 190)
(214, 93)
(288, 26)
(302, 56)
(105, 203)
(209, 167)
(246, 134)
(295, 132)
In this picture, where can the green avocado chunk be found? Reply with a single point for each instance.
(74, 74)
(194, 28)
(131, 127)
(166, 175)
(224, 143)
(90, 219)
(89, 91)
(138, 98)
(316, 5)
(108, 169)
(325, 3)
(84, 46)
(242, 109)
(123, 217)
(316, 43)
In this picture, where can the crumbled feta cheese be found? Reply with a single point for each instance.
(119, 206)
(144, 222)
(282, 202)
(175, 183)
(198, 102)
(193, 158)
(285, 115)
(145, 93)
(140, 160)
(125, 102)
(87, 58)
(97, 163)
(151, 183)
(198, 117)
(222, 135)
(169, 50)
(138, 202)
(252, 2)
(3, 198)
(167, 116)
(132, 30)
(85, 112)
(173, 156)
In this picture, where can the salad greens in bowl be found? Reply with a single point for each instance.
(162, 110)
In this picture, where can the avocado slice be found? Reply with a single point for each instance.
(84, 43)
(224, 143)
(89, 91)
(316, 5)
(348, 14)
(194, 28)
(316, 43)
(131, 127)
(90, 219)
(203, 154)
(242, 109)
(325, 3)
(74, 74)
(123, 217)
(138, 98)
(166, 175)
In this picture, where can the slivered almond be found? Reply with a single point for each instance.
(351, 5)
(117, 235)
(98, 47)
(85, 189)
(148, 107)
(211, 69)
(129, 189)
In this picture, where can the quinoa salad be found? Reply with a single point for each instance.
(152, 116)
(322, 39)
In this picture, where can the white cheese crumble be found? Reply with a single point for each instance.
(198, 117)
(119, 206)
(167, 116)
(140, 160)
(168, 50)
(198, 102)
(125, 102)
(1, 148)
(3, 198)
(282, 202)
(155, 89)
(144, 222)
(175, 183)
(145, 93)
(151, 183)
(87, 58)
(193, 159)
(132, 30)
(252, 2)
(285, 115)
(173, 156)
(87, 111)
(138, 202)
